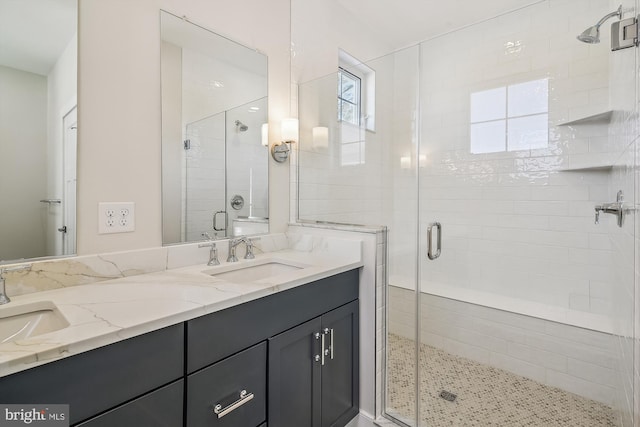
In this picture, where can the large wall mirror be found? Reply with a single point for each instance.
(214, 106)
(38, 74)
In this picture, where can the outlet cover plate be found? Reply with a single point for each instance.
(116, 217)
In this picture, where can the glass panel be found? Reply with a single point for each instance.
(523, 269)
(488, 105)
(359, 179)
(527, 133)
(349, 112)
(529, 98)
(488, 137)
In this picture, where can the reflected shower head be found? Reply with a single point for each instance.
(241, 126)
(592, 34)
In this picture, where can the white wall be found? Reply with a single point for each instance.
(23, 132)
(119, 98)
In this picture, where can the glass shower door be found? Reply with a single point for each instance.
(523, 132)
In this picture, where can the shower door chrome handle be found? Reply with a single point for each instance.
(430, 253)
(215, 221)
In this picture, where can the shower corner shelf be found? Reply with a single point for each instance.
(594, 119)
(587, 168)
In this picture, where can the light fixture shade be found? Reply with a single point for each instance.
(265, 134)
(405, 162)
(320, 137)
(289, 130)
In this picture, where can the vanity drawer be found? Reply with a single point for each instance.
(222, 383)
(100, 379)
(160, 408)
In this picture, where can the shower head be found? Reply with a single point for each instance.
(241, 126)
(592, 34)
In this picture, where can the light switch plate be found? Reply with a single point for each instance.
(116, 217)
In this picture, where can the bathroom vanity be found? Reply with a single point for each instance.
(289, 358)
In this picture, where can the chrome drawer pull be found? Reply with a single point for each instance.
(244, 398)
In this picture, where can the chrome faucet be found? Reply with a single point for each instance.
(233, 243)
(4, 298)
(616, 208)
(213, 253)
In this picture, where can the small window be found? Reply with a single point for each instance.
(349, 89)
(510, 118)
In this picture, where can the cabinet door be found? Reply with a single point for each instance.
(294, 377)
(340, 373)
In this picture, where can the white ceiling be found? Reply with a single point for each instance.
(406, 22)
(33, 33)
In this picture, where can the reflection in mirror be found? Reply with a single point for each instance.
(214, 166)
(38, 72)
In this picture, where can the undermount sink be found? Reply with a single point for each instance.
(19, 322)
(246, 273)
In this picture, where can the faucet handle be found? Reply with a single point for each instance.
(249, 242)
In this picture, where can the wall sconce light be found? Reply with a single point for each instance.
(320, 137)
(265, 134)
(289, 133)
(405, 162)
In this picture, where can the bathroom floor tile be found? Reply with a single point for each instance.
(485, 396)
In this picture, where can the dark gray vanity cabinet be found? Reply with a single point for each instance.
(102, 379)
(313, 371)
(249, 365)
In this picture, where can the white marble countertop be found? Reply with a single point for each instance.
(113, 310)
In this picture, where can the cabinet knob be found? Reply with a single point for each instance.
(317, 358)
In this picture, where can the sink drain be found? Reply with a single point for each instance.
(448, 396)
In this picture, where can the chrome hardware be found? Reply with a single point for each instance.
(237, 202)
(232, 248)
(331, 343)
(213, 253)
(63, 229)
(323, 353)
(430, 253)
(244, 398)
(317, 357)
(624, 34)
(249, 243)
(215, 221)
(4, 298)
(616, 208)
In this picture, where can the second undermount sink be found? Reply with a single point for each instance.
(250, 272)
(19, 322)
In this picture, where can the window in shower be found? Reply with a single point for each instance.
(348, 97)
(510, 118)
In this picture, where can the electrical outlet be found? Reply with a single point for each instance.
(116, 217)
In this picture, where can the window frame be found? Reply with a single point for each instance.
(358, 104)
(508, 118)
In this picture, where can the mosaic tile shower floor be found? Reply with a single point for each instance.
(486, 396)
